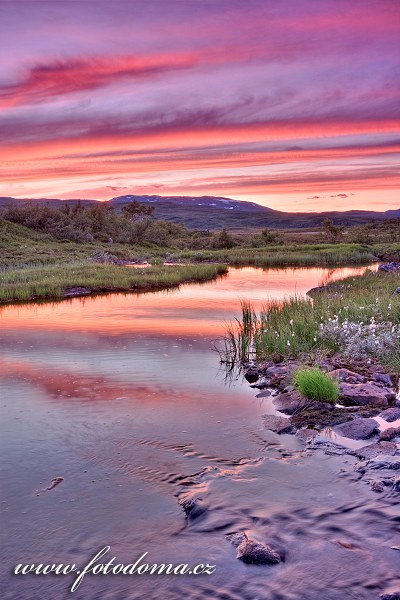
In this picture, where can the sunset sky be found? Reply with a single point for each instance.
(292, 104)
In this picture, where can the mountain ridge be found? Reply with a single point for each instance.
(217, 212)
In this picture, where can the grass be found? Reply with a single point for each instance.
(290, 328)
(50, 282)
(314, 384)
(284, 255)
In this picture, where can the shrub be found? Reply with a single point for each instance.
(314, 384)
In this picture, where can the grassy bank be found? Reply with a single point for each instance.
(51, 282)
(358, 317)
(285, 255)
(23, 246)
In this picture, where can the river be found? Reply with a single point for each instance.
(124, 398)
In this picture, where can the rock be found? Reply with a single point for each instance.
(306, 435)
(252, 552)
(193, 507)
(363, 393)
(252, 374)
(391, 267)
(76, 291)
(382, 378)
(346, 375)
(390, 414)
(278, 424)
(290, 402)
(390, 433)
(358, 429)
(377, 486)
(276, 370)
(374, 450)
(388, 462)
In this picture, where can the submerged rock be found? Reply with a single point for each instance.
(358, 429)
(252, 552)
(374, 450)
(364, 393)
(387, 462)
(278, 424)
(193, 507)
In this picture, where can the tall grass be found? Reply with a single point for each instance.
(290, 328)
(290, 255)
(52, 281)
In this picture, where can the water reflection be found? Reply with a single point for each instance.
(122, 397)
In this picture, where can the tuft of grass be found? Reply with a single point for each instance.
(314, 384)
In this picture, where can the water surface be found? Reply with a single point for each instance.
(123, 397)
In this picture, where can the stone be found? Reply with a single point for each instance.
(390, 433)
(390, 267)
(278, 424)
(378, 486)
(193, 507)
(382, 378)
(345, 375)
(358, 429)
(252, 374)
(390, 414)
(252, 552)
(363, 393)
(387, 462)
(76, 291)
(306, 435)
(374, 450)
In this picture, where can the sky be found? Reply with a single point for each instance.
(292, 104)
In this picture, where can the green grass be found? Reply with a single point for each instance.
(51, 281)
(314, 384)
(290, 328)
(284, 255)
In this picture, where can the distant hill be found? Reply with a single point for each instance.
(210, 212)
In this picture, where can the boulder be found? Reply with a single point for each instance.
(252, 552)
(278, 424)
(358, 429)
(390, 414)
(360, 394)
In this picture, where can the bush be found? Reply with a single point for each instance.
(314, 384)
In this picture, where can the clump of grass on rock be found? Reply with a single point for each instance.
(314, 384)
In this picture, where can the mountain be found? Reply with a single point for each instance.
(214, 212)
